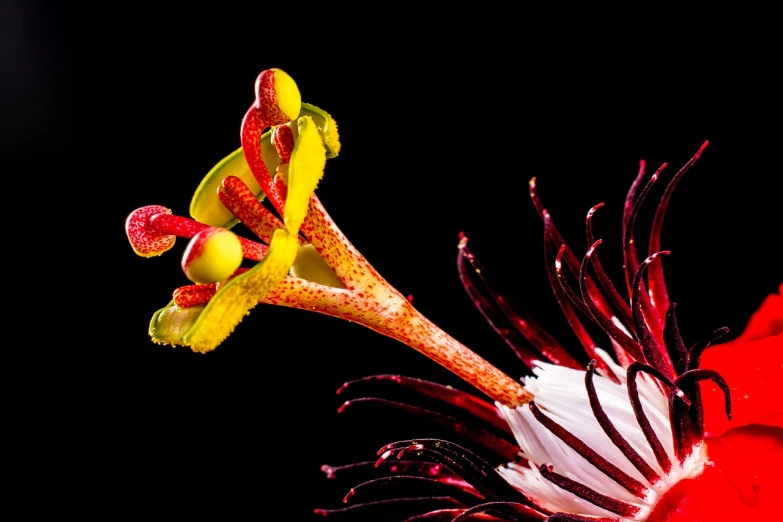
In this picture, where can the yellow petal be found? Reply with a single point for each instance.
(235, 299)
(306, 169)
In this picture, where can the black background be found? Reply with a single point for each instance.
(113, 110)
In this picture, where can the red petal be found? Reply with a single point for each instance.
(752, 365)
(743, 481)
(768, 319)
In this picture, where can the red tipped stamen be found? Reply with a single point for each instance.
(505, 320)
(675, 346)
(447, 394)
(262, 114)
(408, 486)
(568, 517)
(473, 469)
(641, 417)
(283, 138)
(508, 510)
(695, 352)
(631, 260)
(620, 305)
(628, 344)
(551, 233)
(240, 201)
(169, 224)
(654, 351)
(658, 294)
(604, 466)
(566, 299)
(490, 442)
(694, 376)
(614, 505)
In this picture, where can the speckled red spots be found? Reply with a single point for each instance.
(145, 239)
(153, 229)
(241, 202)
(194, 295)
(266, 99)
(264, 113)
(283, 138)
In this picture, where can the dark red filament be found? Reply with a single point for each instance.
(620, 304)
(651, 347)
(607, 468)
(633, 394)
(614, 435)
(623, 509)
(510, 511)
(507, 321)
(629, 345)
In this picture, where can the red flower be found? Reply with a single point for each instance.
(649, 429)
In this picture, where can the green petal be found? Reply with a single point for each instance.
(170, 324)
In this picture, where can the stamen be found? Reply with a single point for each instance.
(617, 439)
(530, 330)
(565, 300)
(490, 442)
(575, 298)
(283, 138)
(641, 417)
(510, 511)
(466, 464)
(240, 201)
(701, 375)
(650, 346)
(658, 295)
(169, 224)
(410, 486)
(678, 353)
(439, 515)
(568, 517)
(694, 354)
(631, 260)
(358, 471)
(551, 233)
(447, 394)
(630, 198)
(620, 304)
(607, 468)
(614, 505)
(267, 112)
(627, 344)
(510, 335)
(402, 508)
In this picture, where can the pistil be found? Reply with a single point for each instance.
(152, 230)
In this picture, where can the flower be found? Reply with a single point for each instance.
(636, 435)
